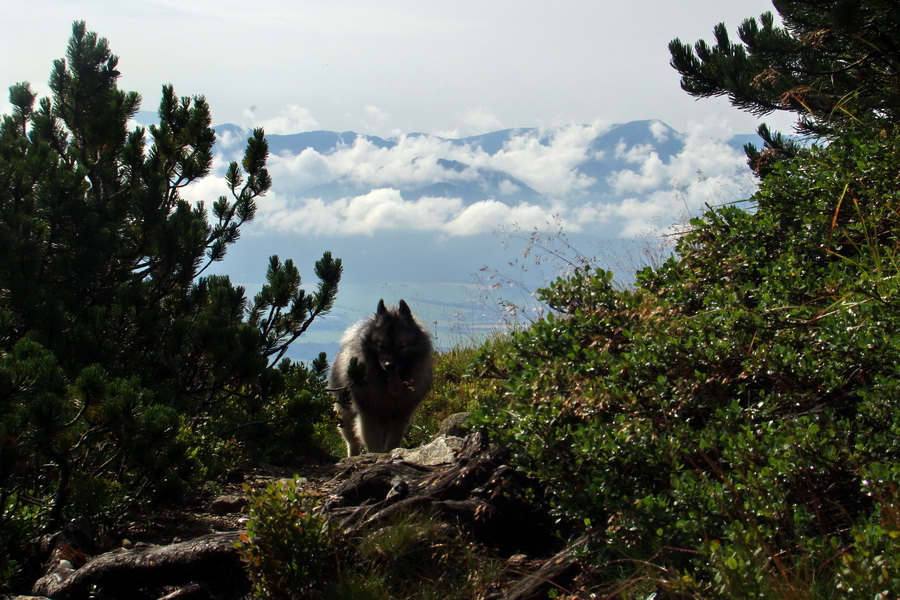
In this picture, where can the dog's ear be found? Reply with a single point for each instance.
(404, 310)
(381, 309)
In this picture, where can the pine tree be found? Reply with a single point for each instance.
(112, 344)
(833, 62)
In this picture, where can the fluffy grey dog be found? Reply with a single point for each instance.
(395, 351)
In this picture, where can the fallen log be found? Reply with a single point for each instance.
(211, 559)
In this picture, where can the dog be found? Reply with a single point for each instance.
(396, 353)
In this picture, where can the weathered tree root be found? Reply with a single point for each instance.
(553, 574)
(477, 491)
(211, 560)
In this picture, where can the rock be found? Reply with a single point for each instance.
(441, 450)
(224, 505)
(456, 425)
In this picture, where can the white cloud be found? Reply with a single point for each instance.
(650, 195)
(546, 161)
(379, 210)
(660, 131)
(480, 120)
(208, 189)
(291, 120)
(489, 215)
(550, 168)
(707, 171)
(228, 140)
(385, 209)
(636, 154)
(299, 171)
(650, 174)
(412, 161)
(508, 188)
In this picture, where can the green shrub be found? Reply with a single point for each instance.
(292, 551)
(288, 545)
(724, 420)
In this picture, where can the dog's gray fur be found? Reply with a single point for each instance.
(395, 350)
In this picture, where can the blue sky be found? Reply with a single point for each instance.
(395, 66)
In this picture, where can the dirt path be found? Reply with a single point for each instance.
(189, 552)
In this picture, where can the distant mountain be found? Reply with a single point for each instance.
(610, 152)
(364, 198)
(665, 140)
(322, 142)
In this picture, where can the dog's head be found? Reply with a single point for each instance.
(397, 342)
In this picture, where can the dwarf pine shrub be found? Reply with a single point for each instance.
(731, 420)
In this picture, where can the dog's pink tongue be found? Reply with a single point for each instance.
(395, 385)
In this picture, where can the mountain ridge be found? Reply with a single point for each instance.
(433, 219)
(612, 151)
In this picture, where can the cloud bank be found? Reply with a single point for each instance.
(292, 119)
(365, 187)
(385, 209)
